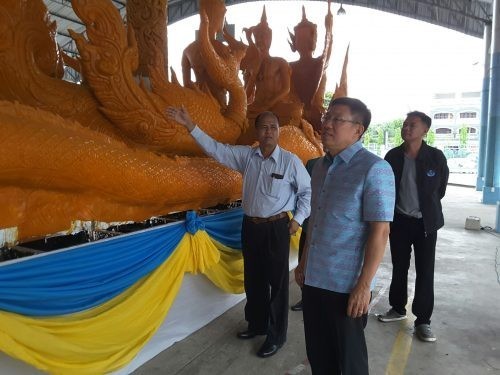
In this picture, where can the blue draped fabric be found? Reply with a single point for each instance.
(193, 222)
(84, 277)
(77, 279)
(227, 229)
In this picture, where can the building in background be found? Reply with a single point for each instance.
(456, 125)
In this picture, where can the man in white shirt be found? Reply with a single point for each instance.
(274, 182)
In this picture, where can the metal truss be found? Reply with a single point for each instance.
(465, 16)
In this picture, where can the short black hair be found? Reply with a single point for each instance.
(264, 114)
(359, 110)
(422, 116)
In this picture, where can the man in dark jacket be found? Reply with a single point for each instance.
(421, 175)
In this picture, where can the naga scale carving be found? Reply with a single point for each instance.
(104, 149)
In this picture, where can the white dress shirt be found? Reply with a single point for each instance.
(270, 186)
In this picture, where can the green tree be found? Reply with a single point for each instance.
(394, 129)
(397, 140)
(464, 135)
(370, 135)
(431, 137)
(380, 136)
(326, 100)
(376, 133)
(367, 138)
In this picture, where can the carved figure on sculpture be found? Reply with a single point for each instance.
(104, 150)
(149, 15)
(308, 73)
(136, 110)
(192, 59)
(267, 78)
(31, 67)
(341, 88)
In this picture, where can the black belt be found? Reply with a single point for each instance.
(408, 216)
(259, 220)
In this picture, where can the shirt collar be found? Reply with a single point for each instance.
(275, 155)
(346, 154)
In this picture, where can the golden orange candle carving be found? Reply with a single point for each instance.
(54, 171)
(104, 150)
(308, 72)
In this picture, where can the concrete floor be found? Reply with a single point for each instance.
(466, 317)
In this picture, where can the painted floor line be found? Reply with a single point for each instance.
(402, 346)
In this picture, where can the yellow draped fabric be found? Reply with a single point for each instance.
(228, 273)
(295, 239)
(106, 338)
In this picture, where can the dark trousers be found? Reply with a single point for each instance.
(303, 237)
(405, 232)
(302, 240)
(266, 248)
(335, 343)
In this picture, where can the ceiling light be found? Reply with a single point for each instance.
(341, 11)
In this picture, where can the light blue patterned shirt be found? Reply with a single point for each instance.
(349, 192)
(263, 194)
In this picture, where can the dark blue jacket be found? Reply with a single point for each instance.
(432, 178)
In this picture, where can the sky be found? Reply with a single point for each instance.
(396, 64)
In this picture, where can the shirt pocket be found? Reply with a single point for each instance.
(277, 187)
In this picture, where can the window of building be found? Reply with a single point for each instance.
(443, 131)
(450, 95)
(443, 115)
(468, 115)
(471, 94)
(471, 130)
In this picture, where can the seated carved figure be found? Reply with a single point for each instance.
(308, 73)
(267, 78)
(192, 59)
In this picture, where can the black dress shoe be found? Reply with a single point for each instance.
(268, 349)
(297, 306)
(248, 334)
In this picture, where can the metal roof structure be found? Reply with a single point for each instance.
(466, 16)
(62, 12)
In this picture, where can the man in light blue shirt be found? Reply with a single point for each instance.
(352, 205)
(274, 182)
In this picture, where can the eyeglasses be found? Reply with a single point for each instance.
(266, 128)
(327, 118)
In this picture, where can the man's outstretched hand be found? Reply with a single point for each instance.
(181, 116)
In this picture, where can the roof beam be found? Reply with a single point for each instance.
(122, 3)
(466, 16)
(70, 19)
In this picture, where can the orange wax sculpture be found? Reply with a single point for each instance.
(104, 149)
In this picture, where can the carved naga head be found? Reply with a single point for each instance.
(216, 13)
(38, 35)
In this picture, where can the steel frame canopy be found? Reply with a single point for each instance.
(466, 16)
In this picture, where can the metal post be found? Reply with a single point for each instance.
(497, 226)
(483, 133)
(491, 188)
